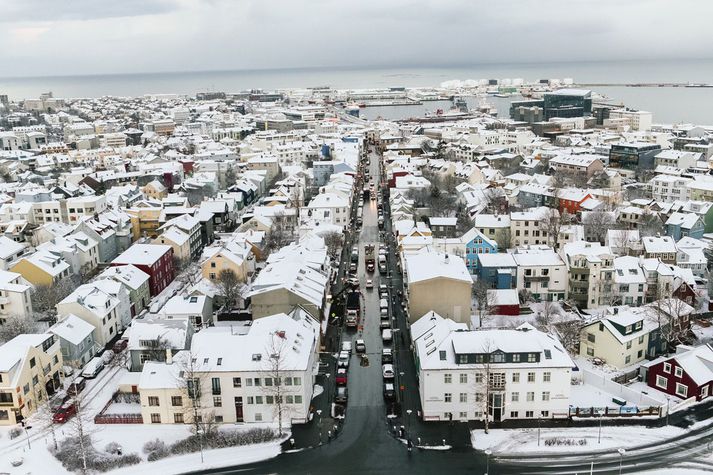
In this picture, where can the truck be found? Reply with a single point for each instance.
(369, 257)
(352, 309)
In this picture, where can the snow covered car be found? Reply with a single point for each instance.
(388, 371)
(343, 361)
(386, 335)
(342, 395)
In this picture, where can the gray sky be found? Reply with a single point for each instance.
(64, 37)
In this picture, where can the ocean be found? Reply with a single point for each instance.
(670, 105)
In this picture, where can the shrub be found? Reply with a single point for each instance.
(15, 432)
(218, 439)
(69, 454)
(113, 448)
(155, 449)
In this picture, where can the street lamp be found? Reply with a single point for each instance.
(599, 437)
(319, 424)
(668, 405)
(621, 458)
(488, 452)
(408, 421)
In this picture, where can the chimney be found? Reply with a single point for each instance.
(169, 356)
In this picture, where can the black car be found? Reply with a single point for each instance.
(389, 391)
(342, 395)
(387, 356)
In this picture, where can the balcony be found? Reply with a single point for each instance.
(537, 278)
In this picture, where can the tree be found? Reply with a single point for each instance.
(230, 176)
(276, 372)
(191, 382)
(671, 316)
(484, 301)
(548, 310)
(650, 224)
(600, 179)
(596, 224)
(281, 233)
(569, 334)
(485, 381)
(495, 201)
(15, 325)
(333, 242)
(552, 223)
(230, 287)
(46, 297)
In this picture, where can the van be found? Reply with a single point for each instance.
(93, 368)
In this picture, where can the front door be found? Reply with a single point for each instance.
(238, 409)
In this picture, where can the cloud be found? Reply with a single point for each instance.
(61, 10)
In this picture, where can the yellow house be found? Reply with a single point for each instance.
(144, 221)
(620, 339)
(29, 375)
(234, 256)
(155, 190)
(44, 267)
(178, 240)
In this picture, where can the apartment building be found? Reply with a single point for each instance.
(542, 272)
(591, 268)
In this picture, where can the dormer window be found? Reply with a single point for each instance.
(442, 355)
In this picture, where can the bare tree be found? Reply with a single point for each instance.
(672, 318)
(569, 334)
(15, 325)
(650, 224)
(548, 310)
(191, 381)
(274, 376)
(551, 224)
(333, 242)
(46, 297)
(188, 272)
(485, 382)
(281, 233)
(230, 286)
(596, 224)
(484, 301)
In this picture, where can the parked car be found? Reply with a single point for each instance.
(93, 368)
(387, 371)
(369, 284)
(389, 391)
(342, 395)
(120, 345)
(387, 356)
(76, 386)
(383, 291)
(386, 335)
(58, 399)
(67, 410)
(341, 376)
(343, 361)
(384, 323)
(347, 346)
(360, 346)
(107, 356)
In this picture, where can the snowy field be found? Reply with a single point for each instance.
(512, 441)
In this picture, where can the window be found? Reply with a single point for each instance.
(530, 396)
(257, 381)
(268, 382)
(178, 418)
(681, 390)
(704, 391)
(513, 414)
(529, 414)
(215, 384)
(463, 397)
(530, 377)
(258, 399)
(32, 363)
(237, 383)
(679, 372)
(498, 358)
(628, 345)
(447, 378)
(447, 397)
(590, 351)
(258, 417)
(516, 377)
(289, 399)
(298, 399)
(478, 397)
(545, 395)
(515, 397)
(153, 401)
(155, 418)
(627, 360)
(251, 400)
(531, 357)
(269, 399)
(296, 381)
(442, 355)
(478, 377)
(591, 337)
(516, 358)
(545, 413)
(463, 415)
(288, 381)
(217, 401)
(464, 378)
(546, 377)
(218, 419)
(176, 401)
(641, 339)
(661, 382)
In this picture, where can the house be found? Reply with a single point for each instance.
(42, 268)
(498, 271)
(15, 296)
(76, 339)
(590, 267)
(175, 229)
(572, 199)
(10, 252)
(97, 307)
(136, 282)
(30, 372)
(195, 309)
(630, 283)
(235, 368)
(155, 190)
(586, 165)
(438, 282)
(504, 301)
(235, 255)
(542, 272)
(152, 339)
(495, 227)
(493, 375)
(156, 260)
(686, 374)
(468, 246)
(526, 227)
(680, 225)
(660, 247)
(619, 338)
(443, 227)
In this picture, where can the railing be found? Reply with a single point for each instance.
(537, 278)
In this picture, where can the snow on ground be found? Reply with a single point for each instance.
(509, 441)
(503, 321)
(317, 391)
(36, 461)
(215, 458)
(604, 369)
(123, 408)
(704, 334)
(586, 395)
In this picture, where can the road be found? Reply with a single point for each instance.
(367, 443)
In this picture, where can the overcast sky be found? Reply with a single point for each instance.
(65, 37)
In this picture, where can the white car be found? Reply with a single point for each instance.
(388, 371)
(347, 346)
(386, 334)
(343, 361)
(369, 284)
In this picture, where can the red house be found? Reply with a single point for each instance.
(688, 373)
(154, 259)
(571, 200)
(504, 301)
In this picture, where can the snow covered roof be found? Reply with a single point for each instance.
(172, 332)
(429, 265)
(73, 329)
(142, 254)
(503, 297)
(659, 244)
(684, 220)
(130, 275)
(697, 363)
(185, 305)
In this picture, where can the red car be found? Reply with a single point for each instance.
(342, 376)
(67, 410)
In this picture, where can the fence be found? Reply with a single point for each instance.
(103, 418)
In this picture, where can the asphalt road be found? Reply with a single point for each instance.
(366, 443)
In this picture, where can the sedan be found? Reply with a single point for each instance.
(388, 371)
(347, 346)
(385, 324)
(369, 284)
(389, 392)
(341, 376)
(342, 395)
(360, 346)
(343, 361)
(67, 410)
(386, 335)
(387, 356)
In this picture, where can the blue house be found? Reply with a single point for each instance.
(680, 225)
(498, 271)
(476, 243)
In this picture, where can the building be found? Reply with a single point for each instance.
(633, 155)
(687, 374)
(585, 165)
(526, 227)
(542, 272)
(496, 375)
(437, 282)
(235, 256)
(156, 340)
(591, 269)
(76, 339)
(30, 372)
(97, 307)
(42, 268)
(565, 103)
(681, 225)
(234, 368)
(620, 338)
(504, 301)
(498, 271)
(156, 260)
(195, 309)
(136, 282)
(660, 247)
